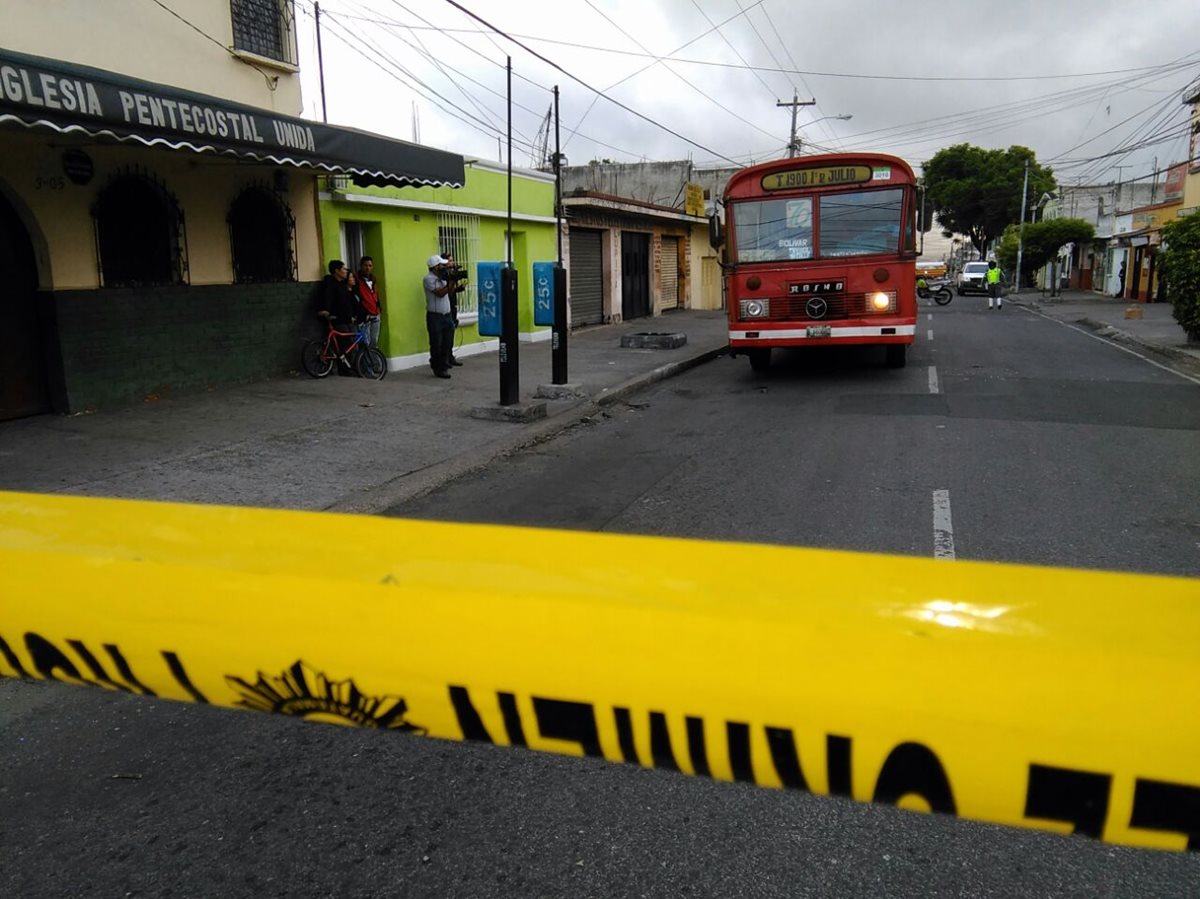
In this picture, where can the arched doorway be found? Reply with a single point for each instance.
(23, 387)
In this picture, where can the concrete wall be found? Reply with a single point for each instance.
(127, 345)
(1191, 185)
(1097, 203)
(612, 224)
(706, 271)
(57, 212)
(661, 183)
(140, 39)
(112, 346)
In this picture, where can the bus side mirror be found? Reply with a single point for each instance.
(716, 234)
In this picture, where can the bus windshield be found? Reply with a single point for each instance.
(857, 223)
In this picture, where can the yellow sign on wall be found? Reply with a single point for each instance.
(693, 200)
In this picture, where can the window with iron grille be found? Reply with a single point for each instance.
(458, 235)
(140, 239)
(266, 28)
(262, 234)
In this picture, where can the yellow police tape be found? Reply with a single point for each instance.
(1064, 700)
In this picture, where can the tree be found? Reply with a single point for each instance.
(1042, 242)
(1181, 265)
(977, 192)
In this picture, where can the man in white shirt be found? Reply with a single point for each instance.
(439, 321)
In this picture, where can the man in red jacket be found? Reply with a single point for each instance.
(369, 299)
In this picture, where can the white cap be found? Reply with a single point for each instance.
(435, 261)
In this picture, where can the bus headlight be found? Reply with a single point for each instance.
(755, 308)
(880, 302)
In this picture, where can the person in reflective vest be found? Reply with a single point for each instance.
(993, 283)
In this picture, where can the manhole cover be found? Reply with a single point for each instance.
(654, 340)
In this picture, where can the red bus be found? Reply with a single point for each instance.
(820, 251)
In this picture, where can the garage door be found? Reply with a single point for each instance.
(585, 279)
(670, 272)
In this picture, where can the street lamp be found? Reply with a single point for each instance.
(796, 141)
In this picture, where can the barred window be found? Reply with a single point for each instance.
(139, 232)
(265, 27)
(458, 234)
(262, 233)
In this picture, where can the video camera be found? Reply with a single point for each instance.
(455, 273)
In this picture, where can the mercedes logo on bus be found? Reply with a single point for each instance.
(816, 307)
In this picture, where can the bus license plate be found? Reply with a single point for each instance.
(818, 331)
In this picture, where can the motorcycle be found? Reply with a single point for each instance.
(938, 291)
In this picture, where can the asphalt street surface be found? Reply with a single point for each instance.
(1046, 446)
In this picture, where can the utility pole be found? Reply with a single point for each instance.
(321, 64)
(560, 331)
(510, 346)
(796, 103)
(1021, 229)
(1120, 182)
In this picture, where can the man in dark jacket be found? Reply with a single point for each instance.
(336, 306)
(336, 303)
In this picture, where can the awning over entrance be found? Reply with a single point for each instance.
(1137, 238)
(71, 99)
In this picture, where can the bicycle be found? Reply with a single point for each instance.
(320, 356)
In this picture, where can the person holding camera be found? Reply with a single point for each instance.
(456, 277)
(439, 321)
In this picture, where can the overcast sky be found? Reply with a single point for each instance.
(1074, 80)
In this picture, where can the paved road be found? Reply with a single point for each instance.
(1047, 445)
(1054, 447)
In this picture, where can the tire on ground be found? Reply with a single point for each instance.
(312, 361)
(760, 358)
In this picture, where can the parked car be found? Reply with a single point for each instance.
(972, 278)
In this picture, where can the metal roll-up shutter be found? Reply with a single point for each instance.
(586, 278)
(670, 272)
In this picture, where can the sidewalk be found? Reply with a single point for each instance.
(341, 444)
(1155, 333)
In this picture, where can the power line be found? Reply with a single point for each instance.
(689, 84)
(825, 126)
(272, 80)
(483, 111)
(657, 61)
(489, 61)
(580, 81)
(767, 69)
(994, 117)
(735, 50)
(381, 57)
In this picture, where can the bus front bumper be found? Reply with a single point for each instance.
(818, 335)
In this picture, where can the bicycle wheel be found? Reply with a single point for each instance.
(314, 360)
(372, 364)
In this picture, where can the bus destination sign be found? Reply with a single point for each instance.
(829, 176)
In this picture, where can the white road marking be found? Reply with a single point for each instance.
(943, 527)
(933, 379)
(1115, 346)
(930, 332)
(931, 316)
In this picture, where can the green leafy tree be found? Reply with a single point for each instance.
(1006, 251)
(1042, 241)
(977, 192)
(1181, 265)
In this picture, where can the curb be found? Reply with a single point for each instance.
(1181, 360)
(419, 482)
(1112, 332)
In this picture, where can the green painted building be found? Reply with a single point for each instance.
(402, 227)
